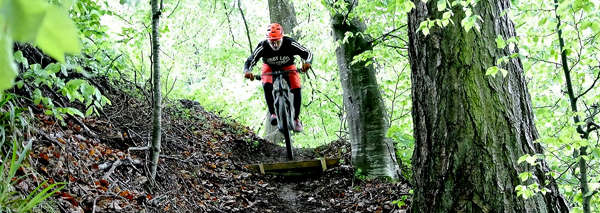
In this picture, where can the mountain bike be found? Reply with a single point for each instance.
(284, 106)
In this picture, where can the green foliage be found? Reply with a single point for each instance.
(404, 144)
(37, 22)
(13, 122)
(361, 175)
(401, 202)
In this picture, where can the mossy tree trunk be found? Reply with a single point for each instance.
(372, 152)
(470, 129)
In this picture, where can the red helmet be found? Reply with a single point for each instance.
(274, 32)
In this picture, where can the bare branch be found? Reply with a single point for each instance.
(385, 35)
(246, 24)
(174, 9)
(541, 60)
(591, 87)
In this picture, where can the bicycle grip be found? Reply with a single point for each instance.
(257, 77)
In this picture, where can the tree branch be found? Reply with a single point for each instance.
(246, 24)
(174, 9)
(540, 60)
(385, 35)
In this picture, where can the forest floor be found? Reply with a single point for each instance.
(201, 167)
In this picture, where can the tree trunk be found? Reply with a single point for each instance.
(372, 152)
(156, 127)
(282, 12)
(470, 129)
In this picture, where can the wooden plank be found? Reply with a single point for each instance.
(321, 164)
(262, 169)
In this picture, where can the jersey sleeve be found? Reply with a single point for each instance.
(254, 57)
(302, 51)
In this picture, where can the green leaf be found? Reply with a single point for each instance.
(19, 56)
(48, 26)
(500, 42)
(58, 35)
(89, 111)
(73, 111)
(523, 158)
(447, 15)
(8, 68)
(542, 21)
(75, 83)
(596, 152)
(595, 27)
(524, 176)
(504, 72)
(492, 71)
(408, 6)
(24, 18)
(425, 31)
(441, 5)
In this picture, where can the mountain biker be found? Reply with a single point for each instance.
(277, 52)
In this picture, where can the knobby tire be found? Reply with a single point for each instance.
(283, 116)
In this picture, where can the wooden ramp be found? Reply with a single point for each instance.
(295, 168)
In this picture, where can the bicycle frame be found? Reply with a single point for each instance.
(284, 104)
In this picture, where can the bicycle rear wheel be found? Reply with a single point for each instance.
(285, 128)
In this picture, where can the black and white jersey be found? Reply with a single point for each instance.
(278, 59)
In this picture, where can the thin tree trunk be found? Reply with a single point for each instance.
(583, 178)
(470, 129)
(156, 127)
(372, 152)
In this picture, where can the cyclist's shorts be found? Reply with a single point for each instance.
(294, 77)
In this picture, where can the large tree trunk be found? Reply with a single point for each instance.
(282, 12)
(470, 129)
(372, 152)
(155, 150)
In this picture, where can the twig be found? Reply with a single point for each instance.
(108, 194)
(112, 169)
(110, 64)
(551, 62)
(383, 36)
(230, 31)
(246, 24)
(174, 9)
(349, 10)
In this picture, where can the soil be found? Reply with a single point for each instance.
(201, 166)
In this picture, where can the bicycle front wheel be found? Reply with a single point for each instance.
(285, 128)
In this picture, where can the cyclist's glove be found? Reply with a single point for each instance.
(305, 66)
(249, 75)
